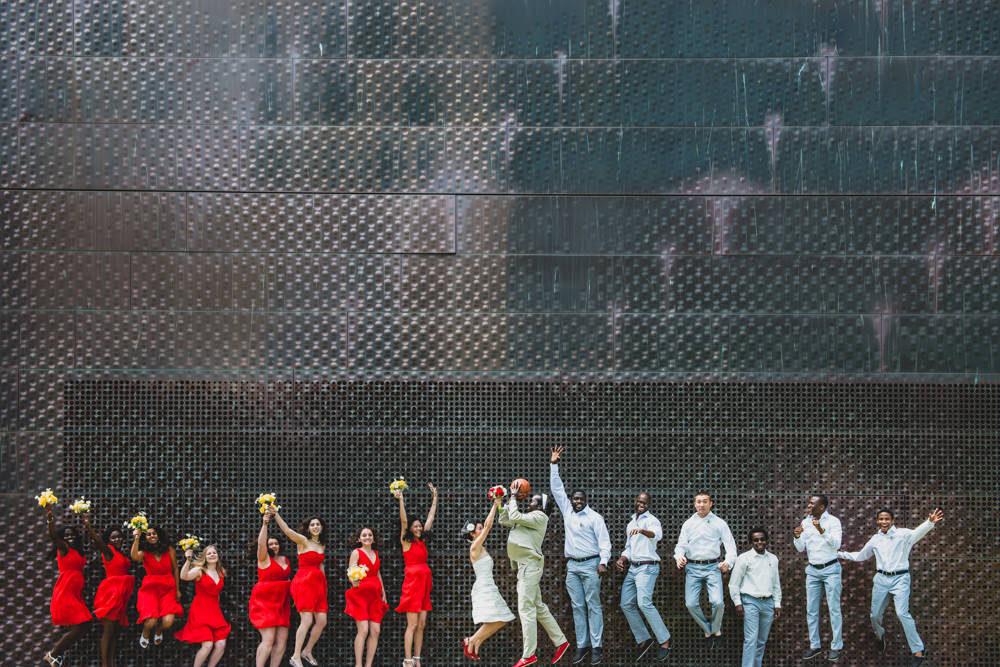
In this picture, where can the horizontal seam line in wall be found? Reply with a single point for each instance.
(540, 194)
(603, 313)
(23, 55)
(243, 125)
(868, 255)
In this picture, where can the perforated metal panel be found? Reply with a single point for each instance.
(306, 246)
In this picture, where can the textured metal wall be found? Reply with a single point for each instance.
(745, 245)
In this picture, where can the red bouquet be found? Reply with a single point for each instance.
(496, 492)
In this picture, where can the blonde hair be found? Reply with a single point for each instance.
(202, 561)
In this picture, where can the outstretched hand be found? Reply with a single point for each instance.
(433, 488)
(936, 515)
(556, 454)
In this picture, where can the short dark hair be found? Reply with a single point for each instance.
(887, 511)
(581, 492)
(705, 493)
(822, 498)
(757, 530)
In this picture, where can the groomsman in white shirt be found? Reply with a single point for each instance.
(641, 536)
(587, 549)
(819, 535)
(756, 591)
(698, 550)
(891, 547)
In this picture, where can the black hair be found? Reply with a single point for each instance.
(581, 492)
(357, 537)
(409, 536)
(75, 542)
(162, 544)
(304, 529)
(823, 499)
(705, 493)
(887, 511)
(106, 537)
(252, 548)
(757, 530)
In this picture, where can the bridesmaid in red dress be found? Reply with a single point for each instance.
(309, 588)
(159, 599)
(366, 602)
(205, 625)
(415, 600)
(67, 606)
(114, 591)
(270, 604)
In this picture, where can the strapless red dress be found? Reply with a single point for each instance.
(308, 588)
(114, 591)
(364, 601)
(205, 620)
(67, 606)
(158, 592)
(270, 605)
(416, 595)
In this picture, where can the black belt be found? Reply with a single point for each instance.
(645, 562)
(704, 562)
(581, 560)
(820, 567)
(757, 597)
(893, 574)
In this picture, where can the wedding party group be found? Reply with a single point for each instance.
(705, 550)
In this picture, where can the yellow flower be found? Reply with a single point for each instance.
(139, 522)
(399, 485)
(46, 498)
(80, 506)
(189, 541)
(357, 572)
(267, 500)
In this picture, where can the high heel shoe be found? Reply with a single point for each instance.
(158, 638)
(143, 641)
(52, 660)
(311, 660)
(294, 662)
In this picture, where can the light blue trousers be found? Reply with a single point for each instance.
(696, 576)
(757, 618)
(898, 587)
(818, 581)
(584, 586)
(637, 603)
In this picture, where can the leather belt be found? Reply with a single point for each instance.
(582, 560)
(893, 574)
(645, 562)
(704, 562)
(820, 567)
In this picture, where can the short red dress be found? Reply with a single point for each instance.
(205, 620)
(364, 601)
(309, 585)
(67, 605)
(416, 595)
(270, 604)
(158, 592)
(114, 591)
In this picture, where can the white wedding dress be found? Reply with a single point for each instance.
(487, 603)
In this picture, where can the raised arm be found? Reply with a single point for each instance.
(859, 556)
(190, 571)
(96, 538)
(434, 507)
(135, 552)
(263, 557)
(403, 523)
(920, 532)
(556, 483)
(516, 518)
(294, 536)
(50, 521)
(477, 544)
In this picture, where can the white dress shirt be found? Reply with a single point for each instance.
(638, 547)
(586, 533)
(892, 548)
(820, 548)
(700, 539)
(757, 575)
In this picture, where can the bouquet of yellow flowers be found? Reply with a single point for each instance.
(46, 498)
(357, 572)
(139, 522)
(267, 500)
(80, 506)
(189, 541)
(398, 486)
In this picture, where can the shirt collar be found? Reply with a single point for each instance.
(710, 515)
(890, 532)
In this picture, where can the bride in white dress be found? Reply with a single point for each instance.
(488, 606)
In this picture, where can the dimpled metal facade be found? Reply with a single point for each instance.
(306, 247)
